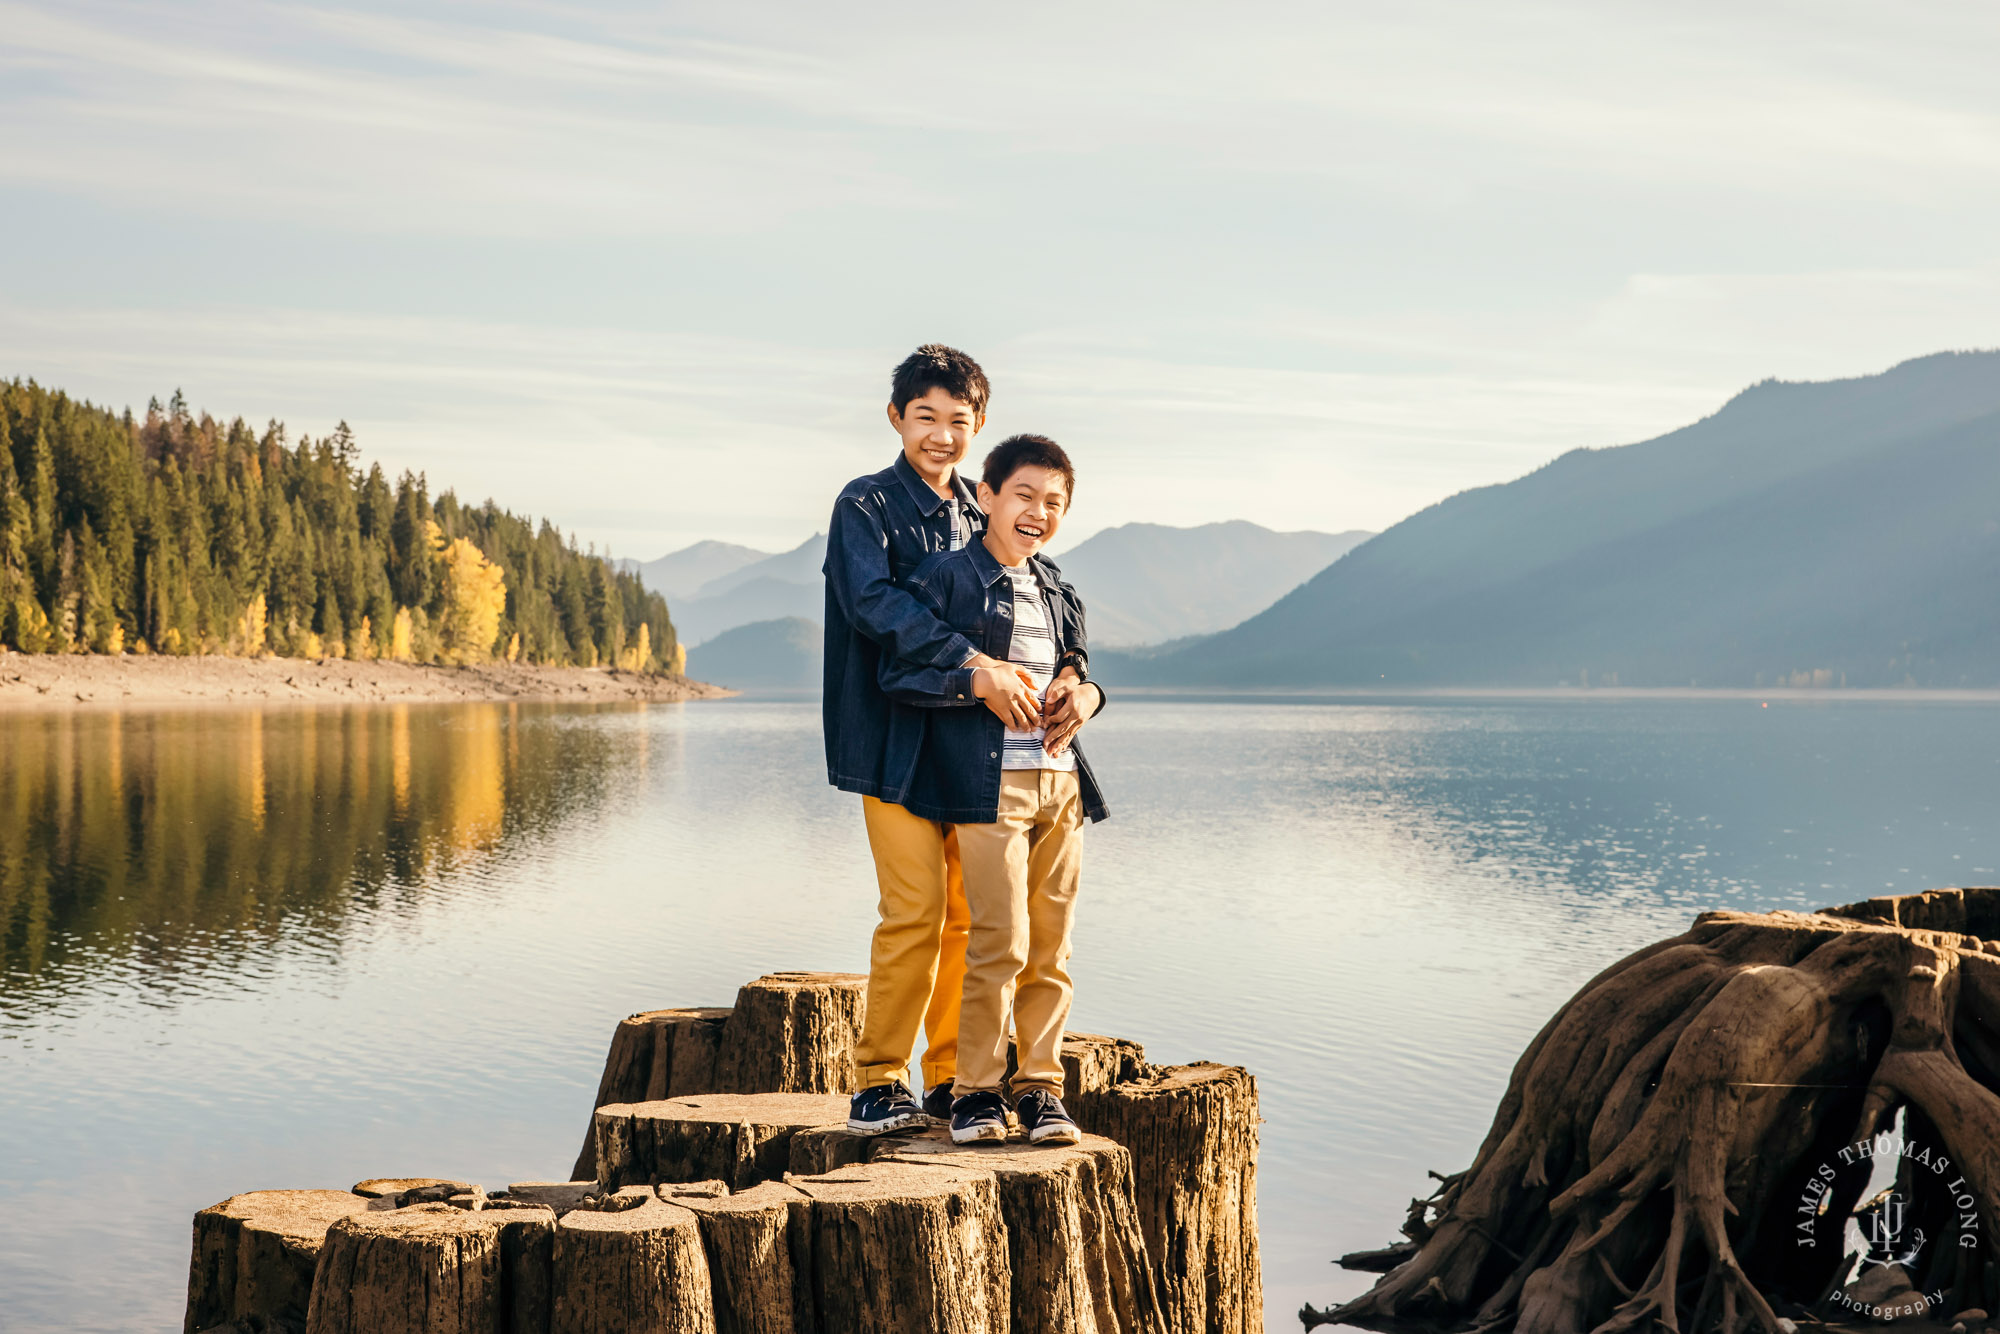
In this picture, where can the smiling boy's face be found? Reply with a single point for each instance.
(937, 429)
(1023, 515)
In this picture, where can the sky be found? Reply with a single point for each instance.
(644, 269)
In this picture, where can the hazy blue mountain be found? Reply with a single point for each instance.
(682, 573)
(800, 565)
(766, 588)
(780, 653)
(1849, 528)
(1146, 583)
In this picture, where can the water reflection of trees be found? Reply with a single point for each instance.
(173, 842)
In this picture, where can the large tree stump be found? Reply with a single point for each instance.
(254, 1256)
(527, 1266)
(1075, 1250)
(1687, 1141)
(636, 1271)
(753, 1239)
(891, 1248)
(829, 1148)
(793, 1033)
(427, 1269)
(1192, 1133)
(734, 1138)
(654, 1055)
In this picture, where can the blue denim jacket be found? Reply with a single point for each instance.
(957, 772)
(883, 527)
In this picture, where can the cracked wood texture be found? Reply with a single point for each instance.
(890, 1247)
(753, 1240)
(254, 1255)
(638, 1271)
(792, 1033)
(425, 1269)
(739, 1139)
(654, 1055)
(1192, 1134)
(1646, 1160)
(1075, 1250)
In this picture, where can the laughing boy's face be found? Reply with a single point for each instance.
(1023, 515)
(937, 429)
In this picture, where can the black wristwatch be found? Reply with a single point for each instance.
(1077, 661)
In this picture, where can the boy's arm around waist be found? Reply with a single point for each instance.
(925, 687)
(859, 581)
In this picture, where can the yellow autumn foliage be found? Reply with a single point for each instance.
(475, 595)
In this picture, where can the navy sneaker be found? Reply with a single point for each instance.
(978, 1116)
(937, 1103)
(1044, 1118)
(884, 1108)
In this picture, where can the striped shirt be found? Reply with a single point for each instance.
(1033, 648)
(961, 525)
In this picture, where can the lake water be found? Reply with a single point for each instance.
(246, 950)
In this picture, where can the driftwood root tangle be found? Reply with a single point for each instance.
(1686, 1144)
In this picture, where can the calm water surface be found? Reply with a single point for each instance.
(299, 948)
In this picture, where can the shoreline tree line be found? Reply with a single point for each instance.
(179, 534)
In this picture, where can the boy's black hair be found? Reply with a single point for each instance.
(935, 366)
(1027, 451)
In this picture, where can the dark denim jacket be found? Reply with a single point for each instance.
(957, 774)
(883, 527)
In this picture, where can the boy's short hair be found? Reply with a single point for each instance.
(1027, 451)
(935, 366)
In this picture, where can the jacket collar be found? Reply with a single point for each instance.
(990, 570)
(921, 495)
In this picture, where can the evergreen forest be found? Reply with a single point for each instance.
(178, 534)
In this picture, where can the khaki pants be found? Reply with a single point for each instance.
(916, 966)
(1020, 880)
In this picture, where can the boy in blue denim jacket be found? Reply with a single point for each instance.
(1016, 795)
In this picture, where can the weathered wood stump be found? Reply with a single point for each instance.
(380, 1188)
(1075, 1250)
(527, 1266)
(635, 1271)
(828, 1149)
(654, 1055)
(753, 1239)
(1192, 1133)
(254, 1256)
(890, 1247)
(740, 1139)
(793, 1033)
(1686, 1144)
(427, 1269)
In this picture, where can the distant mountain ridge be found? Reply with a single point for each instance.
(1845, 528)
(783, 653)
(1146, 583)
(683, 573)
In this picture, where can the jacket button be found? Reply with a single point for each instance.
(992, 754)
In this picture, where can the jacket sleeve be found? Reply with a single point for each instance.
(1078, 645)
(925, 687)
(858, 580)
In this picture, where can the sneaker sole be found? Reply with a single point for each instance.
(974, 1134)
(872, 1128)
(1054, 1134)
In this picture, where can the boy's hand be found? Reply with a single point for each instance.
(1072, 703)
(1010, 693)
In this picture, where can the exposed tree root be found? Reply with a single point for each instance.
(1677, 1147)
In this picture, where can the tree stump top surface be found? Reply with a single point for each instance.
(933, 1148)
(290, 1213)
(1166, 1080)
(653, 1216)
(681, 1012)
(421, 1220)
(800, 981)
(764, 1195)
(869, 1182)
(376, 1188)
(799, 1110)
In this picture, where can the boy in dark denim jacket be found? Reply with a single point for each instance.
(1015, 794)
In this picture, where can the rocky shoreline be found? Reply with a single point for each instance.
(55, 682)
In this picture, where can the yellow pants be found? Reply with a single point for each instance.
(916, 966)
(1020, 882)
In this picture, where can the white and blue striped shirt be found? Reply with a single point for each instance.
(1033, 648)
